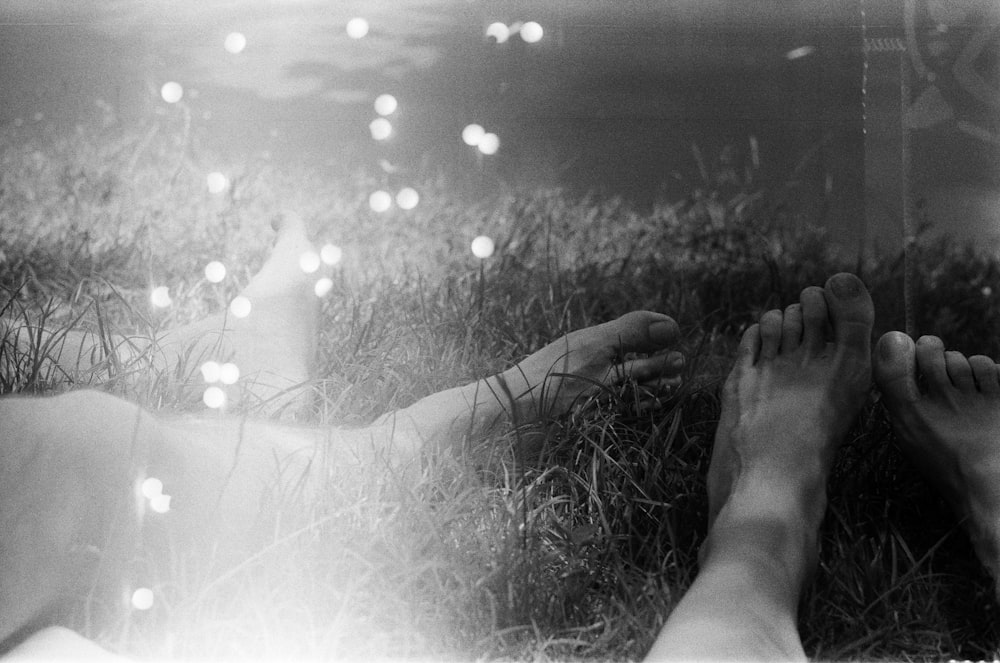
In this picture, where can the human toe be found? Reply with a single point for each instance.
(770, 333)
(643, 331)
(791, 328)
(851, 311)
(895, 368)
(986, 373)
(959, 370)
(815, 319)
(931, 364)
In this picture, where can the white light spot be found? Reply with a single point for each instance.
(214, 397)
(160, 297)
(160, 503)
(407, 198)
(357, 28)
(472, 134)
(229, 373)
(142, 598)
(215, 272)
(532, 32)
(240, 307)
(987, 291)
(800, 52)
(331, 254)
(235, 42)
(498, 31)
(380, 201)
(152, 487)
(482, 247)
(386, 104)
(489, 144)
(380, 128)
(323, 287)
(171, 92)
(216, 182)
(211, 371)
(309, 262)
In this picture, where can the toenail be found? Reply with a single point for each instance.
(845, 286)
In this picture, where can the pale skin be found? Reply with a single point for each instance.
(801, 377)
(69, 507)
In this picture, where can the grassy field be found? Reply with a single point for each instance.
(576, 553)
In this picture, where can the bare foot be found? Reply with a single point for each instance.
(800, 379)
(950, 428)
(634, 346)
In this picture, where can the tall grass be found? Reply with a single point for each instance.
(569, 538)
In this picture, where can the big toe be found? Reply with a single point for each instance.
(644, 331)
(852, 313)
(895, 369)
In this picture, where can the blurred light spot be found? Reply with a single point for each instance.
(160, 503)
(472, 134)
(215, 272)
(211, 371)
(482, 247)
(309, 262)
(407, 198)
(331, 254)
(171, 92)
(489, 144)
(214, 397)
(142, 598)
(229, 373)
(240, 307)
(235, 42)
(386, 104)
(800, 52)
(357, 28)
(386, 166)
(532, 32)
(152, 487)
(498, 31)
(380, 201)
(381, 128)
(160, 297)
(323, 286)
(987, 291)
(216, 182)
(39, 116)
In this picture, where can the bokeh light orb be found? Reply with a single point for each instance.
(407, 198)
(215, 272)
(380, 128)
(331, 254)
(152, 487)
(386, 104)
(323, 286)
(235, 42)
(229, 373)
(142, 598)
(482, 247)
(489, 144)
(171, 92)
(309, 262)
(160, 503)
(214, 398)
(472, 134)
(216, 182)
(380, 201)
(211, 371)
(357, 28)
(498, 31)
(160, 297)
(532, 32)
(240, 307)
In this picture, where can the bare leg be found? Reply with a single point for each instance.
(69, 465)
(274, 346)
(951, 428)
(800, 379)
